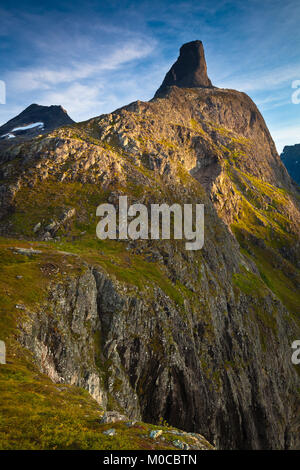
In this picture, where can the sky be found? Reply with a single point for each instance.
(95, 56)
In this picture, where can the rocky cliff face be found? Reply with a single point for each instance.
(201, 339)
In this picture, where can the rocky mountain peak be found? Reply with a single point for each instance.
(189, 70)
(34, 120)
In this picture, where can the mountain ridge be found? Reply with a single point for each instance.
(32, 121)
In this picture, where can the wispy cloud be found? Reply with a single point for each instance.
(77, 99)
(288, 135)
(79, 62)
(257, 80)
(42, 77)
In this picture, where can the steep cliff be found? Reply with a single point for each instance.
(201, 339)
(189, 71)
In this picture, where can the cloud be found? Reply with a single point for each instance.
(288, 132)
(77, 99)
(85, 64)
(41, 78)
(261, 80)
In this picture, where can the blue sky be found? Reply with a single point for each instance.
(96, 56)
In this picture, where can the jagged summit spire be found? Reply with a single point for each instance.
(189, 70)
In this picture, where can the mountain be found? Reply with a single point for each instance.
(33, 121)
(291, 159)
(198, 339)
(189, 71)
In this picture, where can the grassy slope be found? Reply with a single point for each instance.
(38, 414)
(35, 412)
(258, 221)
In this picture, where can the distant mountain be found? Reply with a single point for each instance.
(34, 120)
(291, 159)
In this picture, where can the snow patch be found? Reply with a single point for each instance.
(29, 126)
(8, 136)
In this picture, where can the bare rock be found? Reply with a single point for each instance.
(189, 71)
(112, 417)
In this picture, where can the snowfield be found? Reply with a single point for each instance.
(29, 126)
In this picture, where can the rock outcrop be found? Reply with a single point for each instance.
(189, 71)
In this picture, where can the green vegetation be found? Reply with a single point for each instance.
(283, 282)
(38, 414)
(47, 200)
(252, 285)
(260, 206)
(249, 283)
(263, 231)
(196, 126)
(35, 412)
